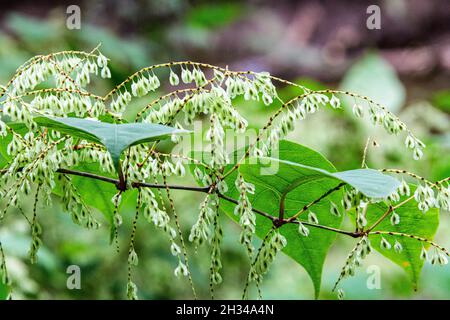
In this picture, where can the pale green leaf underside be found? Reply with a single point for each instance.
(374, 77)
(115, 137)
(371, 183)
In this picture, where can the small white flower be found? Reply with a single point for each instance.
(173, 78)
(358, 110)
(423, 254)
(334, 209)
(398, 247)
(312, 218)
(385, 244)
(335, 102)
(304, 231)
(395, 218)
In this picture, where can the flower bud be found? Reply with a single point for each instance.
(133, 258)
(334, 210)
(304, 231)
(312, 218)
(358, 110)
(395, 218)
(173, 78)
(385, 244)
(105, 73)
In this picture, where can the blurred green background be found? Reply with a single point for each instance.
(404, 65)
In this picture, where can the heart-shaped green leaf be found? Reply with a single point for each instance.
(310, 252)
(302, 175)
(115, 137)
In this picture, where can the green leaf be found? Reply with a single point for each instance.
(413, 222)
(310, 252)
(371, 183)
(115, 137)
(213, 15)
(4, 291)
(33, 32)
(19, 128)
(303, 175)
(441, 100)
(372, 76)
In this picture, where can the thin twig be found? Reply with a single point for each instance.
(406, 235)
(306, 207)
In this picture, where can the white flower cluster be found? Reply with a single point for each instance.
(436, 256)
(426, 198)
(216, 262)
(360, 212)
(202, 176)
(69, 70)
(214, 101)
(132, 291)
(142, 166)
(427, 194)
(160, 218)
(94, 154)
(188, 76)
(64, 103)
(267, 253)
(17, 113)
(352, 198)
(64, 68)
(140, 87)
(86, 68)
(310, 102)
(37, 155)
(68, 96)
(215, 135)
(36, 241)
(73, 203)
(153, 214)
(443, 198)
(201, 230)
(250, 89)
(30, 76)
(297, 110)
(386, 245)
(413, 143)
(247, 218)
(393, 125)
(34, 162)
(354, 259)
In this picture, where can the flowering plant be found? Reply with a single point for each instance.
(56, 133)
